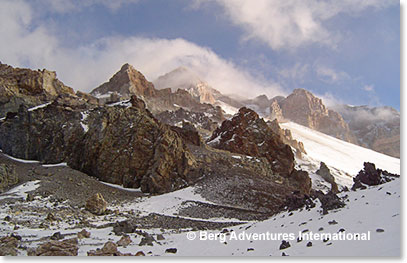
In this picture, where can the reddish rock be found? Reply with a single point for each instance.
(68, 247)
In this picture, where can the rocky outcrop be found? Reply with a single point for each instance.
(185, 79)
(325, 173)
(123, 144)
(329, 201)
(377, 128)
(287, 138)
(304, 108)
(370, 175)
(246, 133)
(8, 176)
(275, 111)
(31, 88)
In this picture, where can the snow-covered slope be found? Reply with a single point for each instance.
(373, 213)
(344, 159)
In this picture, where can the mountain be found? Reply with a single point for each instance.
(183, 78)
(139, 170)
(302, 107)
(377, 128)
(260, 104)
(125, 82)
(28, 87)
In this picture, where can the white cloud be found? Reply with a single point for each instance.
(368, 88)
(86, 67)
(330, 75)
(288, 24)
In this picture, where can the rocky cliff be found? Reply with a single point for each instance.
(302, 107)
(124, 145)
(31, 88)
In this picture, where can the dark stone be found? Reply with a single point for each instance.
(57, 236)
(284, 244)
(329, 201)
(171, 250)
(126, 226)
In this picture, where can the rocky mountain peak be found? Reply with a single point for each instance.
(302, 107)
(127, 81)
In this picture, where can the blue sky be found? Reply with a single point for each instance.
(343, 51)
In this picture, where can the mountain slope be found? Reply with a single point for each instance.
(345, 159)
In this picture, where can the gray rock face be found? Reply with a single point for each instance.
(8, 176)
(124, 145)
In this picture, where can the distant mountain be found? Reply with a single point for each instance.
(128, 81)
(302, 107)
(184, 78)
(377, 128)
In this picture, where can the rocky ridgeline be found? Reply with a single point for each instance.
(28, 87)
(121, 145)
(128, 81)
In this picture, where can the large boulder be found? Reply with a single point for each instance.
(96, 204)
(325, 173)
